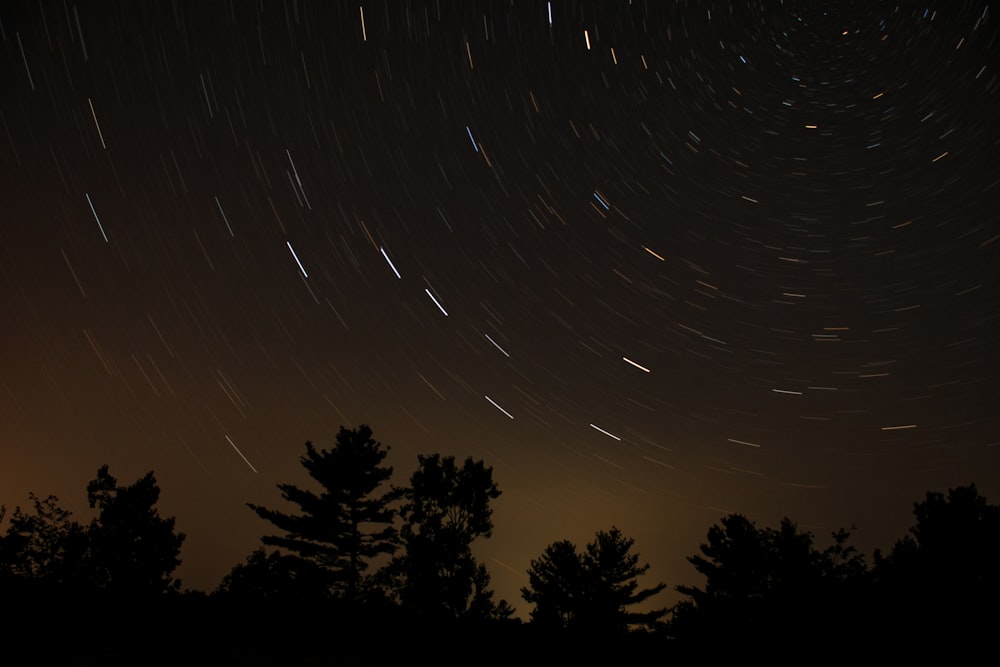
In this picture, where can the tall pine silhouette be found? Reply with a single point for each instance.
(349, 522)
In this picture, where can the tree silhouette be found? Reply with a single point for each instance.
(591, 591)
(742, 563)
(614, 571)
(45, 546)
(446, 508)
(133, 552)
(763, 580)
(956, 537)
(943, 578)
(349, 523)
(269, 578)
(557, 586)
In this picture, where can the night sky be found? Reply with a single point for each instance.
(654, 262)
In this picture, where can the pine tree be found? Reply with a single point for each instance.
(591, 591)
(557, 586)
(769, 582)
(614, 573)
(349, 523)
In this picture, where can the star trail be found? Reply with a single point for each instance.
(652, 261)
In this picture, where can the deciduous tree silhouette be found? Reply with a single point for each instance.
(591, 591)
(269, 578)
(133, 552)
(349, 522)
(46, 546)
(446, 508)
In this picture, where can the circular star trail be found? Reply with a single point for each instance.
(653, 262)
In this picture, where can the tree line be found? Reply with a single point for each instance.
(361, 549)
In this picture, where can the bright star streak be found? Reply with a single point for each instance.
(497, 406)
(436, 302)
(230, 441)
(99, 133)
(228, 226)
(497, 345)
(659, 257)
(297, 179)
(96, 218)
(610, 435)
(641, 368)
(391, 265)
(743, 442)
(301, 268)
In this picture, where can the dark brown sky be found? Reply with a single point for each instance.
(656, 262)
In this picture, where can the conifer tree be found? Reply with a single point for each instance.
(349, 522)
(591, 591)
